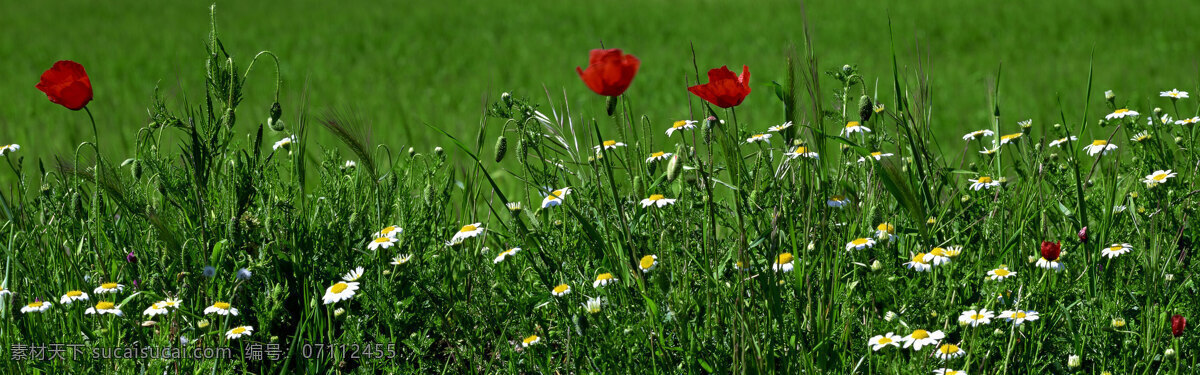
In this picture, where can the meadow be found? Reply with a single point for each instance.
(444, 193)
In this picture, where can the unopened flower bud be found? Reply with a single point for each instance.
(1118, 322)
(865, 108)
(1158, 112)
(1110, 96)
(1083, 235)
(507, 99)
(1170, 353)
(501, 147)
(876, 265)
(889, 316)
(673, 168)
(1074, 361)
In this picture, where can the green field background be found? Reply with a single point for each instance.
(400, 64)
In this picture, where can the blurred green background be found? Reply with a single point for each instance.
(403, 63)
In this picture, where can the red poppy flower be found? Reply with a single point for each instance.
(1051, 250)
(724, 89)
(1178, 324)
(67, 84)
(609, 71)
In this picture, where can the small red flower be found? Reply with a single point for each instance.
(724, 89)
(609, 71)
(1051, 250)
(1178, 324)
(67, 84)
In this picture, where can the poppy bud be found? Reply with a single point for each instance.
(276, 125)
(77, 204)
(638, 188)
(230, 117)
(865, 108)
(501, 147)
(275, 112)
(1051, 250)
(673, 168)
(136, 169)
(1178, 324)
(612, 105)
(131, 257)
(1083, 235)
(429, 194)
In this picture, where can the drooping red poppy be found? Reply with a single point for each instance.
(609, 71)
(724, 89)
(1051, 250)
(67, 84)
(1178, 324)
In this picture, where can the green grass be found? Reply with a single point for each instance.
(201, 194)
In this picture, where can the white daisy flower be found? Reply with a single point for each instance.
(4, 150)
(401, 259)
(1174, 94)
(1099, 146)
(1116, 250)
(285, 143)
(1158, 177)
(876, 155)
(976, 134)
(758, 138)
(609, 145)
(885, 231)
(505, 254)
(1025, 123)
(384, 242)
(1018, 316)
(109, 288)
(1059, 142)
(919, 263)
(658, 156)
(1004, 139)
(513, 206)
(561, 290)
(350, 164)
(976, 318)
(467, 231)
(603, 280)
(1118, 209)
(648, 263)
(593, 305)
(860, 243)
(171, 303)
(353, 275)
(882, 341)
(854, 127)
(801, 151)
(1121, 113)
(532, 339)
(155, 309)
(391, 231)
(1001, 273)
(555, 197)
(837, 201)
(1188, 121)
(983, 182)
(947, 371)
(920, 338)
(4, 291)
(1140, 137)
(780, 127)
(238, 332)
(341, 291)
(783, 263)
(35, 306)
(948, 351)
(990, 151)
(657, 200)
(72, 296)
(681, 125)
(221, 308)
(1164, 120)
(104, 307)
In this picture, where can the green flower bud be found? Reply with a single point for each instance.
(612, 105)
(501, 147)
(673, 168)
(865, 108)
(275, 125)
(136, 169)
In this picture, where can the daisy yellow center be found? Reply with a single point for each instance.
(938, 251)
(109, 285)
(919, 258)
(837, 198)
(801, 150)
(561, 288)
(238, 330)
(1122, 110)
(852, 124)
(920, 334)
(984, 180)
(1019, 315)
(221, 305)
(36, 304)
(859, 242)
(656, 197)
(530, 339)
(609, 143)
(646, 262)
(382, 240)
(884, 340)
(104, 305)
(468, 228)
(74, 293)
(657, 154)
(557, 193)
(1011, 136)
(758, 136)
(977, 316)
(604, 276)
(679, 124)
(1115, 248)
(1001, 272)
(876, 154)
(339, 287)
(784, 258)
(948, 349)
(508, 252)
(885, 227)
(1099, 142)
(388, 229)
(1160, 177)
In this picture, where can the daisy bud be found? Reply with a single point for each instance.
(203, 323)
(1118, 323)
(875, 266)
(501, 148)
(1110, 97)
(1057, 125)
(998, 332)
(1158, 112)
(1178, 139)
(411, 152)
(889, 316)
(1169, 277)
(506, 98)
(439, 151)
(811, 246)
(1170, 353)
(387, 272)
(1074, 361)
(966, 198)
(847, 70)
(865, 108)
(1032, 259)
(933, 314)
(339, 311)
